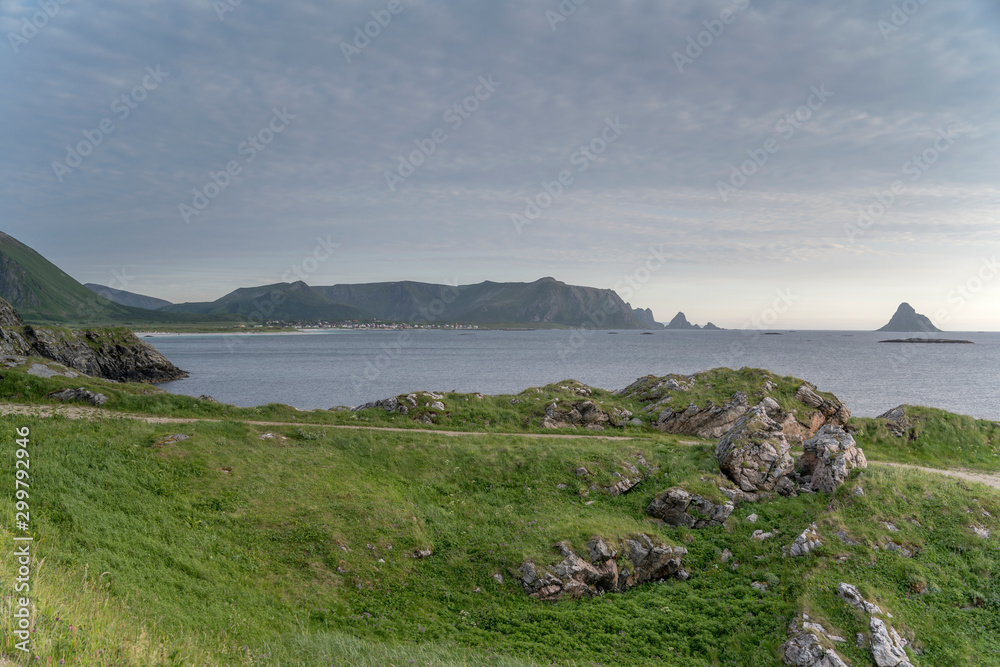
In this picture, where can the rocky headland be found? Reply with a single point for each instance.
(113, 353)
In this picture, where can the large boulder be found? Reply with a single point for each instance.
(676, 507)
(755, 454)
(829, 457)
(574, 577)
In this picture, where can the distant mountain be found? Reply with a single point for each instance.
(281, 301)
(907, 319)
(680, 321)
(44, 294)
(544, 301)
(645, 316)
(124, 298)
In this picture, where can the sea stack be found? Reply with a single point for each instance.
(907, 319)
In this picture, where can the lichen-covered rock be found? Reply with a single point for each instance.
(388, 404)
(805, 543)
(631, 476)
(832, 411)
(585, 413)
(574, 577)
(711, 421)
(853, 597)
(754, 453)
(79, 394)
(804, 647)
(887, 645)
(829, 456)
(677, 507)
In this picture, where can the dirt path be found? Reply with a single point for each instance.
(990, 479)
(84, 412)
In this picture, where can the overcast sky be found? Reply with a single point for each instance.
(644, 108)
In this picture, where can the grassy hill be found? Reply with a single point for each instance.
(125, 298)
(44, 294)
(297, 544)
(281, 301)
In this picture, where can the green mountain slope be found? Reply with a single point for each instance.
(281, 301)
(44, 294)
(124, 298)
(544, 301)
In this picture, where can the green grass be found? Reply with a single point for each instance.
(934, 438)
(200, 548)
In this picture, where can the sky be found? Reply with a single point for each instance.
(809, 165)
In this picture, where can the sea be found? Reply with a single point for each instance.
(326, 368)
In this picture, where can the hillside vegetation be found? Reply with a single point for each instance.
(249, 544)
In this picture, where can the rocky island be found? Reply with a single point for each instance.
(907, 319)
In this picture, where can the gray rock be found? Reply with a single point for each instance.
(42, 370)
(635, 421)
(754, 453)
(676, 507)
(761, 535)
(829, 456)
(752, 518)
(803, 648)
(887, 646)
(437, 405)
(388, 404)
(574, 577)
(79, 394)
(832, 411)
(853, 597)
(805, 543)
(712, 421)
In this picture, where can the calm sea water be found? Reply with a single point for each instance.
(324, 369)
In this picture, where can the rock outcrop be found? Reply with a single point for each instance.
(896, 421)
(676, 507)
(805, 648)
(666, 400)
(79, 394)
(574, 577)
(113, 354)
(583, 413)
(712, 421)
(887, 646)
(829, 457)
(755, 454)
(805, 543)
